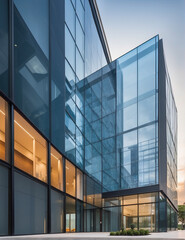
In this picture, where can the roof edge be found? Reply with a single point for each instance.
(100, 29)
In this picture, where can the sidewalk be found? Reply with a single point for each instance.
(175, 235)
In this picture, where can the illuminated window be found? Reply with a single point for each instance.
(4, 130)
(56, 169)
(30, 151)
(70, 178)
(79, 184)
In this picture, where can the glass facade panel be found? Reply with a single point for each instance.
(146, 67)
(4, 131)
(30, 206)
(147, 216)
(70, 215)
(70, 179)
(79, 184)
(130, 216)
(70, 16)
(79, 216)
(4, 200)
(130, 199)
(31, 50)
(30, 149)
(57, 212)
(146, 110)
(147, 164)
(111, 218)
(4, 47)
(69, 48)
(56, 169)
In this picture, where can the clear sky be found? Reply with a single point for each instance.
(128, 23)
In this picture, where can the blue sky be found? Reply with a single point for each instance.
(128, 23)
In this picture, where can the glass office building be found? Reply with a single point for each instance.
(86, 143)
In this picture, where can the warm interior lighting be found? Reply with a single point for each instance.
(55, 157)
(24, 129)
(19, 126)
(67, 168)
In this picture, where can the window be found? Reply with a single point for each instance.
(30, 151)
(4, 46)
(4, 130)
(4, 193)
(130, 216)
(30, 206)
(70, 215)
(79, 184)
(56, 169)
(57, 212)
(31, 50)
(70, 179)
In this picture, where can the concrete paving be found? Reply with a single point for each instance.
(174, 235)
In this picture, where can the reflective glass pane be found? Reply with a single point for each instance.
(80, 12)
(4, 46)
(79, 66)
(80, 38)
(30, 149)
(56, 169)
(146, 67)
(31, 41)
(70, 126)
(70, 179)
(146, 110)
(146, 138)
(69, 48)
(132, 199)
(70, 16)
(70, 147)
(30, 206)
(4, 200)
(127, 78)
(57, 212)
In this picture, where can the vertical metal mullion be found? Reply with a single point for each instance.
(137, 125)
(49, 190)
(64, 187)
(76, 198)
(11, 115)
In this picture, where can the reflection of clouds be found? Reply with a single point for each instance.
(181, 175)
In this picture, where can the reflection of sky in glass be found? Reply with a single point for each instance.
(134, 22)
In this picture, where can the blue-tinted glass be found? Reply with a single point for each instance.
(57, 212)
(127, 153)
(70, 82)
(80, 39)
(32, 219)
(71, 108)
(70, 17)
(4, 84)
(108, 126)
(108, 94)
(146, 138)
(79, 66)
(4, 184)
(146, 67)
(31, 37)
(69, 48)
(70, 148)
(57, 61)
(127, 78)
(70, 126)
(80, 12)
(146, 110)
(80, 95)
(93, 161)
(79, 148)
(79, 120)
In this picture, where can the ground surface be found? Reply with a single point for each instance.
(102, 236)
